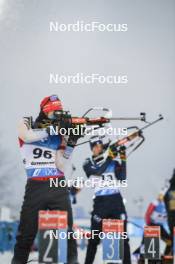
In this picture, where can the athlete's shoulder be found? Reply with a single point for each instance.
(87, 162)
(155, 202)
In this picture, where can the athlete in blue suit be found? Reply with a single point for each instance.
(108, 202)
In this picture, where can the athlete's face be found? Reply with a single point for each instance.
(51, 115)
(97, 149)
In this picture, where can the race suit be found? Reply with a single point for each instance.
(156, 213)
(108, 202)
(44, 157)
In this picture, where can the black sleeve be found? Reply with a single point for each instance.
(167, 199)
(90, 169)
(120, 170)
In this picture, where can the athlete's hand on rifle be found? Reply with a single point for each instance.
(122, 153)
(76, 133)
(56, 125)
(63, 120)
(113, 151)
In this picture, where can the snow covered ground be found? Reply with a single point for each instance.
(6, 257)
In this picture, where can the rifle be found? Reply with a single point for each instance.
(64, 119)
(136, 134)
(99, 121)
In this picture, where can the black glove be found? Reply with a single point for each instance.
(65, 122)
(76, 133)
(45, 123)
(122, 152)
(113, 152)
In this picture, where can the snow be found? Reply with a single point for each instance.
(5, 258)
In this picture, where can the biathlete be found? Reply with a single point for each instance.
(156, 215)
(108, 202)
(44, 157)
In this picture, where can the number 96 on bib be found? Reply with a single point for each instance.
(152, 242)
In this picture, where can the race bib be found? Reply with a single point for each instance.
(38, 157)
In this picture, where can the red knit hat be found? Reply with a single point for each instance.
(51, 103)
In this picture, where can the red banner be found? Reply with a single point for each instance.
(52, 219)
(152, 231)
(113, 225)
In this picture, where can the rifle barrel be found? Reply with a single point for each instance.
(127, 118)
(152, 123)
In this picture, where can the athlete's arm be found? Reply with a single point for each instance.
(149, 212)
(91, 169)
(120, 170)
(28, 134)
(63, 155)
